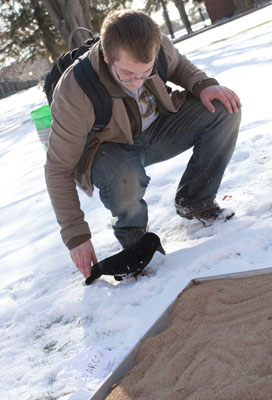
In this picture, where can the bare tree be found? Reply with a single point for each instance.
(156, 5)
(167, 18)
(183, 15)
(68, 15)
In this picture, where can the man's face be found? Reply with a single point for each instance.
(129, 73)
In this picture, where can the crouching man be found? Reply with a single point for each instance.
(148, 125)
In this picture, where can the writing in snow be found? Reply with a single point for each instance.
(91, 367)
(99, 361)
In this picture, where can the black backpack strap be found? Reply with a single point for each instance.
(162, 65)
(90, 83)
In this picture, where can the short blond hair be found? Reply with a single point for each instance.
(133, 31)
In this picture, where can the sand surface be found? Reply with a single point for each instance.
(217, 345)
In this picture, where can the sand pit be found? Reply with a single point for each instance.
(217, 345)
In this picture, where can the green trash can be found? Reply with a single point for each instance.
(42, 118)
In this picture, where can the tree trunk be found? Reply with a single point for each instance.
(184, 18)
(54, 47)
(167, 19)
(68, 15)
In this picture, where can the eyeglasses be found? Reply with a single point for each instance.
(142, 78)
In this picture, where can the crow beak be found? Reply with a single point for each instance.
(161, 249)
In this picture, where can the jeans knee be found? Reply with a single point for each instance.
(122, 189)
(221, 110)
(229, 122)
(130, 185)
(237, 116)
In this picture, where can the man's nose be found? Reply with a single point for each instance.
(138, 83)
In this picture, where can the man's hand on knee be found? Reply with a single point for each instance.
(84, 257)
(216, 92)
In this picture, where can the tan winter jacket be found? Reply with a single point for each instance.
(70, 154)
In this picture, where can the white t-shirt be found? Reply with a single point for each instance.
(147, 105)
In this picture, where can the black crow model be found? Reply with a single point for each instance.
(130, 261)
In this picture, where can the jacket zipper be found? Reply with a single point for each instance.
(140, 118)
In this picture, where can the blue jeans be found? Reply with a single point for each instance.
(118, 170)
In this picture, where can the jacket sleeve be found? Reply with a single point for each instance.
(72, 119)
(184, 73)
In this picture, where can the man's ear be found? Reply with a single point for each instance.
(107, 61)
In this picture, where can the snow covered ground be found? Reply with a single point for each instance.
(48, 316)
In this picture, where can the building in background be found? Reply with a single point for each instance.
(220, 9)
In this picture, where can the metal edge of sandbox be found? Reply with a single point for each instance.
(158, 326)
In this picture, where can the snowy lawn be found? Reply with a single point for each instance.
(48, 316)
